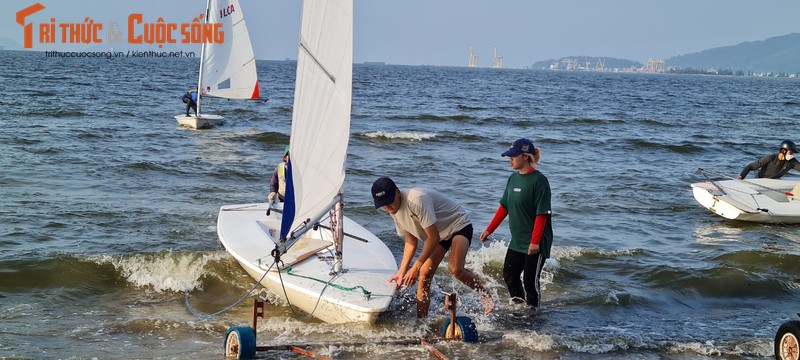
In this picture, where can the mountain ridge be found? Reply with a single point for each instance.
(777, 54)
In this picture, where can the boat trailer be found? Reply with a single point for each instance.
(240, 341)
(787, 341)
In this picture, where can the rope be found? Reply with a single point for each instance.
(237, 302)
(364, 291)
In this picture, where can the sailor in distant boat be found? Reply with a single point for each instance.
(277, 186)
(190, 99)
(776, 165)
(441, 224)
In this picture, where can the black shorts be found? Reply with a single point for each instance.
(466, 231)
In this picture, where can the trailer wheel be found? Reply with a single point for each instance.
(787, 345)
(240, 342)
(465, 330)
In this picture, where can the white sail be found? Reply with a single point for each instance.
(229, 67)
(305, 276)
(321, 118)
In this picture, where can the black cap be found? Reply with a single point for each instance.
(383, 192)
(519, 146)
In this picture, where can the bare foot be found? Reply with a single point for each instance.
(488, 303)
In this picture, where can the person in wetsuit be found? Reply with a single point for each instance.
(776, 165)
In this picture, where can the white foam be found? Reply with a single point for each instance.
(531, 340)
(401, 135)
(751, 347)
(574, 252)
(163, 271)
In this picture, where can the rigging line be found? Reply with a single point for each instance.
(206, 316)
(708, 178)
(322, 292)
(314, 58)
(768, 211)
(364, 291)
(285, 295)
(327, 227)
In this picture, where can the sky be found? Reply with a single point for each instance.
(440, 32)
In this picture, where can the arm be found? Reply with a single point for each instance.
(408, 254)
(536, 235)
(755, 165)
(427, 250)
(499, 215)
(541, 198)
(796, 165)
(273, 186)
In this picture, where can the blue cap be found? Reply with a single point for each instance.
(519, 146)
(383, 191)
(286, 150)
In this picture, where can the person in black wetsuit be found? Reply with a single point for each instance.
(776, 165)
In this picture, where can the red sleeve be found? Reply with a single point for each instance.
(497, 219)
(538, 229)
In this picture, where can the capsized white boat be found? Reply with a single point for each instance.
(227, 69)
(756, 200)
(333, 268)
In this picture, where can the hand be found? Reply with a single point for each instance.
(484, 236)
(397, 279)
(410, 277)
(271, 197)
(533, 249)
(738, 178)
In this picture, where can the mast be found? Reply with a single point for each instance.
(337, 225)
(202, 59)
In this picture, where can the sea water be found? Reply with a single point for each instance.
(108, 209)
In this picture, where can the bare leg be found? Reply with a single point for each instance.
(425, 278)
(458, 256)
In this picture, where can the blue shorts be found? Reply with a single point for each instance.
(466, 231)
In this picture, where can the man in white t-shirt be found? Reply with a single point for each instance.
(442, 225)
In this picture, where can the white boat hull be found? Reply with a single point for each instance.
(754, 200)
(204, 121)
(247, 233)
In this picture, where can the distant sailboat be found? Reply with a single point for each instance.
(227, 69)
(332, 268)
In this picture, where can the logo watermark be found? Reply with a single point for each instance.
(118, 54)
(139, 31)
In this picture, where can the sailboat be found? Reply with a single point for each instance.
(227, 69)
(761, 200)
(306, 250)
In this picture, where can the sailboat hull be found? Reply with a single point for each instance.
(247, 233)
(204, 121)
(756, 200)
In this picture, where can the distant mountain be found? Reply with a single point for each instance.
(776, 54)
(578, 62)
